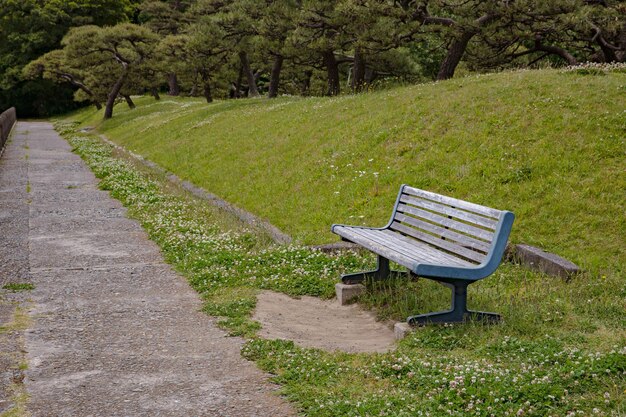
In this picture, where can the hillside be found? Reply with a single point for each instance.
(547, 145)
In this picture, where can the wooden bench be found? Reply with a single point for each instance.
(444, 239)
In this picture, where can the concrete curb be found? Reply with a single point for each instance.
(548, 263)
(346, 293)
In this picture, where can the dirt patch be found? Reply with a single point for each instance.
(312, 322)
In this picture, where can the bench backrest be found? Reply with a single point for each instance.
(465, 230)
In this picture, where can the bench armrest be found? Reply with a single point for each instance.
(494, 257)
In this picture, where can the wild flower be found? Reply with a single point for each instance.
(516, 376)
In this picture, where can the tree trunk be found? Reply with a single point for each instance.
(129, 101)
(98, 105)
(207, 92)
(206, 85)
(459, 45)
(108, 111)
(555, 50)
(454, 55)
(172, 82)
(607, 52)
(275, 77)
(194, 87)
(358, 71)
(621, 55)
(306, 83)
(239, 81)
(252, 89)
(155, 93)
(332, 69)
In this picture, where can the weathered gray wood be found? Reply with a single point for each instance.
(375, 237)
(465, 216)
(425, 250)
(441, 243)
(419, 251)
(465, 205)
(449, 234)
(380, 249)
(393, 242)
(483, 234)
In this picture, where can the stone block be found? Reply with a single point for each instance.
(346, 293)
(546, 262)
(402, 329)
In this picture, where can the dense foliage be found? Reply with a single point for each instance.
(30, 28)
(235, 48)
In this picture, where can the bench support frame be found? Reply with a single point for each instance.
(458, 313)
(382, 271)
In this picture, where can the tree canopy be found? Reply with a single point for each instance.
(236, 48)
(31, 28)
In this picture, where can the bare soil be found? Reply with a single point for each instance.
(311, 322)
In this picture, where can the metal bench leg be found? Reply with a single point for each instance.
(381, 272)
(458, 313)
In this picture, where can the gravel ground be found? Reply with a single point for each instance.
(114, 331)
(13, 262)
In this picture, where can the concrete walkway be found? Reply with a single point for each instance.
(114, 331)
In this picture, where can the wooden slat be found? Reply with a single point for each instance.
(425, 250)
(443, 244)
(446, 222)
(378, 248)
(465, 205)
(449, 211)
(390, 244)
(461, 239)
(410, 252)
(370, 235)
(415, 249)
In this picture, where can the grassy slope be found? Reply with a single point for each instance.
(560, 350)
(546, 145)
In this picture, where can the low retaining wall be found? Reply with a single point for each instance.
(7, 121)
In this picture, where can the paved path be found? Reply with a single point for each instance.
(114, 331)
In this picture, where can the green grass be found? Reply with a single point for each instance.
(559, 352)
(547, 145)
(20, 321)
(18, 286)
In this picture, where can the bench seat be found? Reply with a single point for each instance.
(407, 252)
(451, 241)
